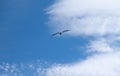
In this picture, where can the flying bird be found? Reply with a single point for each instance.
(60, 33)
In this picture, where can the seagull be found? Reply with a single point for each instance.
(60, 33)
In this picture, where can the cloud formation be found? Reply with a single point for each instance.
(99, 19)
(23, 69)
(84, 17)
(98, 65)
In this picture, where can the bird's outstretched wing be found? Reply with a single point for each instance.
(60, 33)
(65, 31)
(55, 33)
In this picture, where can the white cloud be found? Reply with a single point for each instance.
(79, 7)
(86, 17)
(100, 46)
(24, 69)
(97, 18)
(98, 65)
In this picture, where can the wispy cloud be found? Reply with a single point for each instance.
(98, 65)
(9, 70)
(102, 45)
(97, 18)
(88, 17)
(23, 69)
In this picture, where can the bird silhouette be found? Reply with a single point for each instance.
(60, 33)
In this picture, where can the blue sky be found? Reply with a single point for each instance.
(90, 48)
(26, 36)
